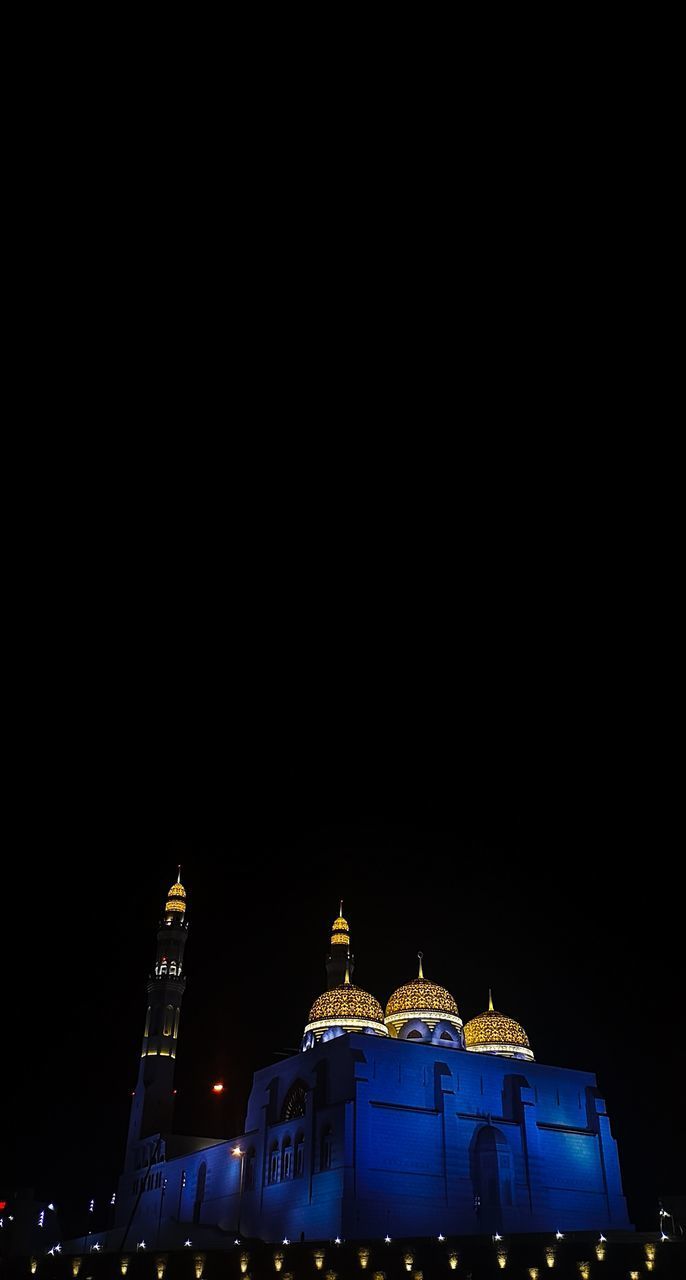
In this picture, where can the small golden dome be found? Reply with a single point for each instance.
(493, 1028)
(346, 1001)
(419, 996)
(176, 896)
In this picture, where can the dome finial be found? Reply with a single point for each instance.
(490, 1001)
(178, 878)
(347, 971)
(420, 957)
(341, 910)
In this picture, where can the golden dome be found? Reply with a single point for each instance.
(176, 897)
(492, 1029)
(346, 1001)
(421, 996)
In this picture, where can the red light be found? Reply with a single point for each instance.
(217, 1088)
(3, 1205)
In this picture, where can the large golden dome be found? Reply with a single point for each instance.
(493, 1032)
(346, 1001)
(421, 996)
(344, 1008)
(421, 1001)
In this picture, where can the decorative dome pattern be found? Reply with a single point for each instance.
(493, 1032)
(493, 1028)
(346, 1001)
(421, 1010)
(419, 996)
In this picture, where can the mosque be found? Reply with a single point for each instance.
(398, 1123)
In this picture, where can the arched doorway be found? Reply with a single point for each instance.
(492, 1177)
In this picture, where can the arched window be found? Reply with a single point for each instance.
(445, 1035)
(326, 1149)
(299, 1155)
(294, 1102)
(168, 1019)
(249, 1169)
(200, 1191)
(286, 1159)
(172, 968)
(176, 1023)
(274, 1163)
(414, 1035)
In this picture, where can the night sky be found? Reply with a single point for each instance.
(543, 875)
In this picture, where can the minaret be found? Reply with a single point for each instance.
(153, 1100)
(339, 957)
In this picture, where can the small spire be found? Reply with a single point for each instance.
(420, 957)
(341, 910)
(347, 970)
(490, 1001)
(178, 878)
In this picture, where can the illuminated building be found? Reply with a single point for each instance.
(406, 1122)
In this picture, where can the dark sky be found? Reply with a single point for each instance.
(545, 874)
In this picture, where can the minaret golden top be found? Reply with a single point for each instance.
(176, 897)
(340, 932)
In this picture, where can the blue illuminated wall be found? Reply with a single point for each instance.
(398, 1138)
